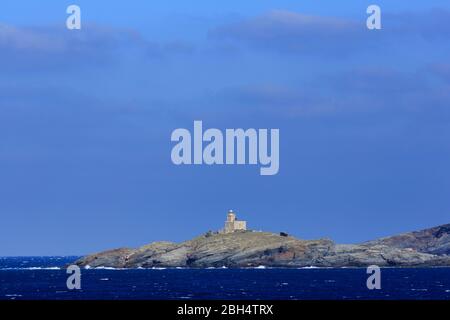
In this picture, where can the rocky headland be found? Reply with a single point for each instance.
(244, 248)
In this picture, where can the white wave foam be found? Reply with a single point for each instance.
(32, 268)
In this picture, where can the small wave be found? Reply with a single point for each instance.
(32, 268)
(44, 268)
(158, 268)
(260, 267)
(413, 289)
(104, 279)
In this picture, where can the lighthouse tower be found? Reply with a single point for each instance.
(232, 224)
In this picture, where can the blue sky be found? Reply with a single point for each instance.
(86, 118)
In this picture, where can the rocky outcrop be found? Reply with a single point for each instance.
(434, 240)
(252, 249)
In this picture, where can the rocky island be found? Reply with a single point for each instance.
(237, 247)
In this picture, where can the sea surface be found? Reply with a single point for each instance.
(45, 278)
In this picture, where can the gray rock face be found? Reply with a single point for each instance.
(252, 249)
(434, 240)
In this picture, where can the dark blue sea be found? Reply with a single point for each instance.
(45, 278)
